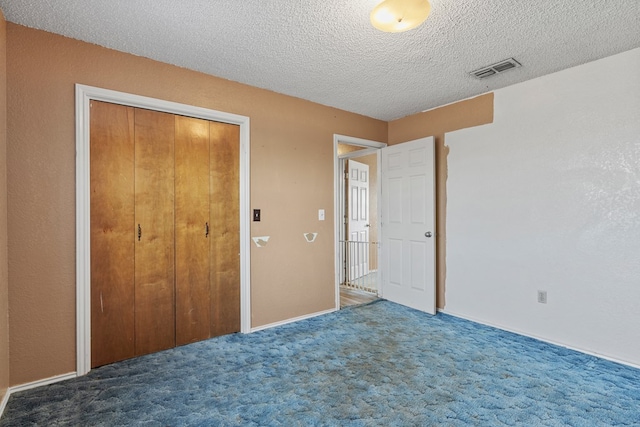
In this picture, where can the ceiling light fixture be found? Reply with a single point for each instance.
(396, 16)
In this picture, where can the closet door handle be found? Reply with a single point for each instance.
(206, 229)
(139, 232)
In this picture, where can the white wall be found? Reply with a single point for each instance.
(548, 198)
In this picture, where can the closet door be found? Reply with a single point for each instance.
(193, 316)
(165, 231)
(112, 239)
(225, 228)
(154, 230)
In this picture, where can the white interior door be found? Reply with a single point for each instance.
(358, 195)
(408, 224)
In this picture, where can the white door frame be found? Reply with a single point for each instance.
(339, 195)
(84, 95)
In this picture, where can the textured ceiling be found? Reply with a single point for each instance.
(326, 51)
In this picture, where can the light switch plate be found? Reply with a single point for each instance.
(321, 214)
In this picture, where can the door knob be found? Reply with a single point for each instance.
(427, 234)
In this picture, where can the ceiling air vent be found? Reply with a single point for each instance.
(496, 68)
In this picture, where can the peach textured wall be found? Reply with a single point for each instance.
(289, 276)
(4, 286)
(464, 114)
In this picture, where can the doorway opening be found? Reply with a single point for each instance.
(357, 227)
(405, 220)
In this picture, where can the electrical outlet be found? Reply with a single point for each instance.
(542, 297)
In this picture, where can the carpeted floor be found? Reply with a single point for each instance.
(374, 365)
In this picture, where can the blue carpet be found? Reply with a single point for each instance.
(375, 365)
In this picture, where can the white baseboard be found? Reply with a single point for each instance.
(559, 344)
(34, 384)
(292, 320)
(3, 403)
(42, 382)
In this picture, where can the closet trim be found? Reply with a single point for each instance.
(84, 95)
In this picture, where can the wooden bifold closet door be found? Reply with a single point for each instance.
(154, 245)
(165, 266)
(193, 315)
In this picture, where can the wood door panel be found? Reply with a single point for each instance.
(225, 228)
(154, 250)
(193, 313)
(112, 238)
(174, 284)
